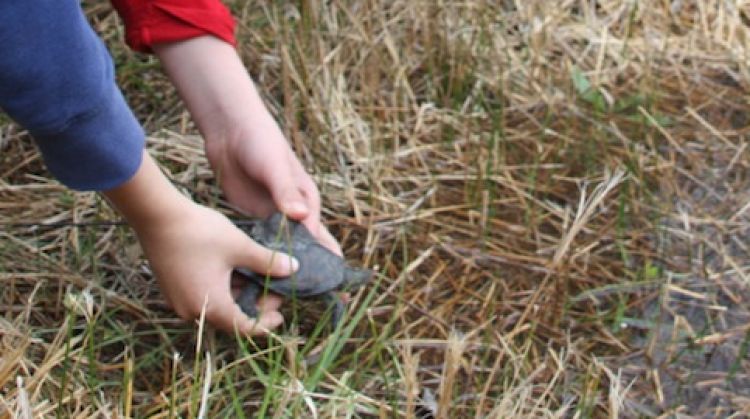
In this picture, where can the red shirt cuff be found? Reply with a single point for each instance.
(148, 22)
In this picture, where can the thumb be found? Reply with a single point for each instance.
(286, 194)
(326, 239)
(251, 255)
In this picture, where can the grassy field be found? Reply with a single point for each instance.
(555, 196)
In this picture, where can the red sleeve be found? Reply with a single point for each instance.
(149, 22)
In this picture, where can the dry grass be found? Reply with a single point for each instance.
(555, 193)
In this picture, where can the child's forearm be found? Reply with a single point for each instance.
(214, 84)
(148, 198)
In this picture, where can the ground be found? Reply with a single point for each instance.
(554, 195)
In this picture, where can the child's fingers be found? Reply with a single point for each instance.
(286, 193)
(312, 197)
(226, 315)
(269, 302)
(251, 255)
(326, 239)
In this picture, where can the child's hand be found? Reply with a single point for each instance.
(193, 255)
(253, 161)
(259, 172)
(193, 250)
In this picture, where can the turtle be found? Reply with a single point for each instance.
(321, 273)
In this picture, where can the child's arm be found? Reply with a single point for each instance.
(56, 79)
(193, 249)
(254, 162)
(255, 165)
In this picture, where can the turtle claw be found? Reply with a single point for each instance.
(338, 306)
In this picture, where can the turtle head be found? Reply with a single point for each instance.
(355, 278)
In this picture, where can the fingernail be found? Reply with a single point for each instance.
(297, 207)
(273, 319)
(266, 322)
(294, 263)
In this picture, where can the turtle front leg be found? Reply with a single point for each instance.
(248, 299)
(333, 300)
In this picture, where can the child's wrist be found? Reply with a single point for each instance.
(148, 199)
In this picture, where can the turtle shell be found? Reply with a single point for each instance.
(320, 270)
